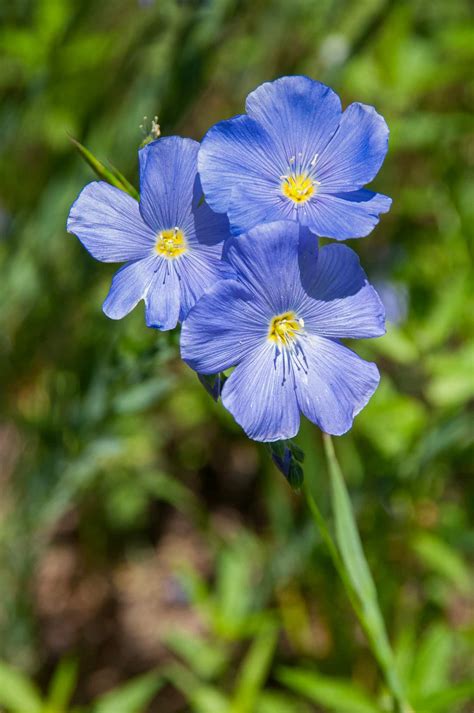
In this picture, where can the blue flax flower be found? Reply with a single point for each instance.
(171, 242)
(296, 156)
(280, 323)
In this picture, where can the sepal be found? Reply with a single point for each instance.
(213, 384)
(287, 457)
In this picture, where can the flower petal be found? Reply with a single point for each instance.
(162, 299)
(346, 215)
(356, 152)
(221, 329)
(201, 266)
(207, 228)
(260, 394)
(341, 302)
(129, 286)
(237, 151)
(108, 223)
(252, 205)
(337, 385)
(300, 113)
(267, 260)
(168, 169)
(199, 271)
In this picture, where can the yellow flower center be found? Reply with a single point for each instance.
(298, 188)
(284, 328)
(170, 243)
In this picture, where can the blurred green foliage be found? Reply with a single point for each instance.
(139, 530)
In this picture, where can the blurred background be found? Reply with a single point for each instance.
(151, 557)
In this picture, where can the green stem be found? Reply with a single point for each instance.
(349, 561)
(331, 545)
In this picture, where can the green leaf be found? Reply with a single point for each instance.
(114, 177)
(442, 559)
(141, 396)
(364, 594)
(392, 420)
(404, 651)
(17, 693)
(206, 699)
(276, 702)
(233, 588)
(336, 694)
(397, 345)
(254, 670)
(202, 697)
(204, 658)
(431, 666)
(125, 182)
(132, 697)
(445, 700)
(62, 686)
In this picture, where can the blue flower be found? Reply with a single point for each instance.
(171, 241)
(296, 156)
(280, 323)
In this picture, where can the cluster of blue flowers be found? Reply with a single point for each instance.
(242, 269)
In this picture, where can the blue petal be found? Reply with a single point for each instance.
(257, 203)
(346, 215)
(208, 228)
(222, 328)
(108, 223)
(201, 267)
(168, 170)
(237, 151)
(338, 385)
(162, 300)
(242, 160)
(199, 271)
(260, 394)
(129, 286)
(300, 113)
(267, 261)
(355, 154)
(340, 302)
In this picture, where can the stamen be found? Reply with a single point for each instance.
(171, 243)
(284, 328)
(299, 188)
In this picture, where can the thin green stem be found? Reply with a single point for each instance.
(331, 545)
(349, 560)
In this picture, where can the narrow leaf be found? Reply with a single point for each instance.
(62, 685)
(113, 177)
(336, 694)
(443, 559)
(125, 182)
(17, 693)
(276, 702)
(201, 697)
(206, 699)
(254, 670)
(206, 659)
(432, 663)
(133, 697)
(446, 700)
(360, 578)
